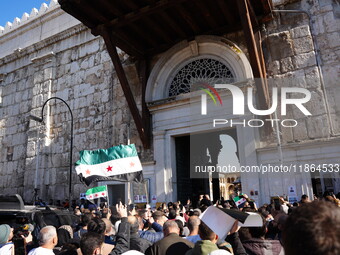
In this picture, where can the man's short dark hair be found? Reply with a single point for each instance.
(205, 232)
(89, 242)
(86, 218)
(96, 225)
(311, 229)
(157, 215)
(172, 214)
(142, 212)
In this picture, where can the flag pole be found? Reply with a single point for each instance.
(146, 191)
(107, 198)
(129, 193)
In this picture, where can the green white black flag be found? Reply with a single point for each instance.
(96, 192)
(119, 163)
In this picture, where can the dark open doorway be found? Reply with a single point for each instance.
(202, 149)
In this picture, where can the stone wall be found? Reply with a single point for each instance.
(75, 66)
(294, 59)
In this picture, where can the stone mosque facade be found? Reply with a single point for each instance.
(49, 53)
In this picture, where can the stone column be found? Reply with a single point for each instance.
(37, 165)
(160, 168)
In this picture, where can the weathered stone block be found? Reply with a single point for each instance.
(286, 65)
(330, 56)
(38, 77)
(300, 131)
(7, 100)
(312, 77)
(331, 24)
(14, 110)
(64, 94)
(84, 64)
(12, 130)
(105, 96)
(336, 122)
(304, 60)
(37, 101)
(89, 48)
(30, 149)
(24, 95)
(301, 31)
(65, 57)
(334, 39)
(94, 79)
(74, 67)
(315, 105)
(105, 56)
(298, 79)
(303, 44)
(287, 134)
(317, 127)
(18, 152)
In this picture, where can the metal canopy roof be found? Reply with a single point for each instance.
(143, 28)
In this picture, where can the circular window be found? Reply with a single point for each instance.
(204, 70)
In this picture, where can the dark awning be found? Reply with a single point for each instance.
(142, 28)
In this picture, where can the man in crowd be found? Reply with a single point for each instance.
(208, 243)
(85, 219)
(136, 242)
(304, 199)
(172, 243)
(157, 220)
(257, 244)
(48, 239)
(91, 244)
(193, 225)
(313, 229)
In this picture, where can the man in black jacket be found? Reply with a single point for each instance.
(136, 242)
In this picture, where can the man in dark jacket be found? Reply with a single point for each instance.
(257, 245)
(136, 242)
(172, 243)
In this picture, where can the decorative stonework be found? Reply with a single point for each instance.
(202, 70)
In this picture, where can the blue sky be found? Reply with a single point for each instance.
(15, 8)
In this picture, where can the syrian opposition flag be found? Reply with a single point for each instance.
(239, 201)
(96, 192)
(119, 163)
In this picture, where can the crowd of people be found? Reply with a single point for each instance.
(307, 227)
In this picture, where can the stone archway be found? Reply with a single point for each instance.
(173, 60)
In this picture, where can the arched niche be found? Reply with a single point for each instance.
(213, 47)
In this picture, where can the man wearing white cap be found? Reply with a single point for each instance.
(6, 234)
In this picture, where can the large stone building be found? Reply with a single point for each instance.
(49, 53)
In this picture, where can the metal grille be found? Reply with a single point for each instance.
(204, 70)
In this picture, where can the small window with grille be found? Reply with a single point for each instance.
(203, 70)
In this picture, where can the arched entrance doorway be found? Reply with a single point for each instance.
(208, 59)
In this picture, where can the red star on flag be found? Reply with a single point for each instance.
(88, 172)
(109, 168)
(96, 195)
(132, 164)
(103, 194)
(91, 196)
